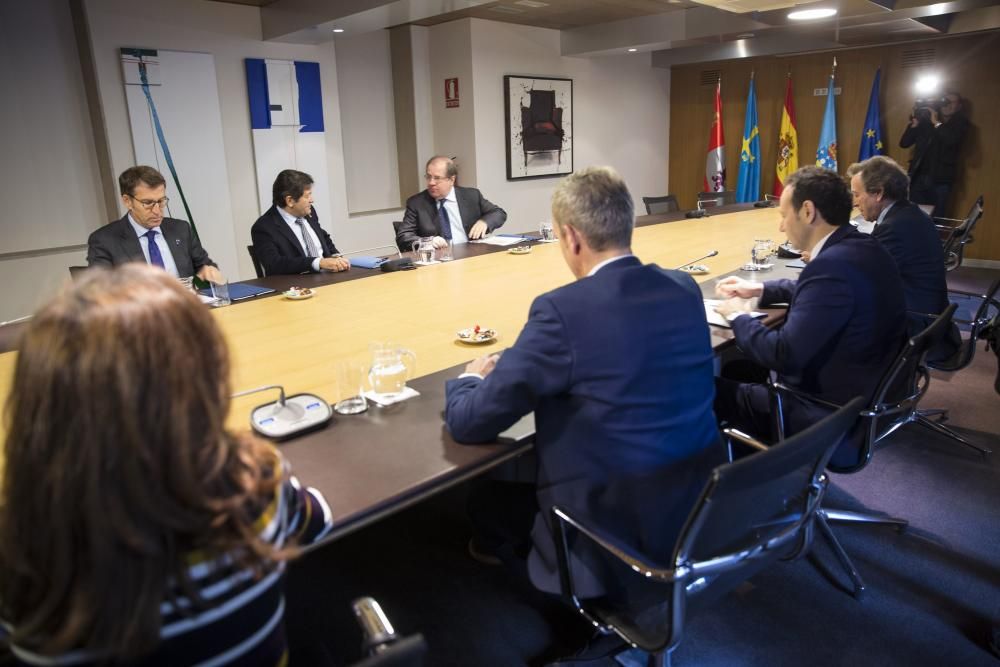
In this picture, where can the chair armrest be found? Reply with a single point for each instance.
(938, 219)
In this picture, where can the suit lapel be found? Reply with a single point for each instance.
(129, 241)
(287, 232)
(178, 249)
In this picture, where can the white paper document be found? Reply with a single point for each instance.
(500, 240)
(718, 320)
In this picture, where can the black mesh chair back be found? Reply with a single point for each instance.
(956, 237)
(658, 205)
(750, 513)
(256, 263)
(723, 198)
(985, 313)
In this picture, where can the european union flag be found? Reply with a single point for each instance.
(826, 153)
(871, 137)
(748, 188)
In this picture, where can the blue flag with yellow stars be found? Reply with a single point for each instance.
(748, 187)
(871, 136)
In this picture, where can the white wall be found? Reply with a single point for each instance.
(621, 116)
(451, 55)
(49, 183)
(364, 74)
(231, 33)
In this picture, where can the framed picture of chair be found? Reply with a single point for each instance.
(539, 126)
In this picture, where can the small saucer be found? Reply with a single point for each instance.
(472, 337)
(299, 295)
(520, 250)
(695, 269)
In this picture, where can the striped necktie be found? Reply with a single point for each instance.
(307, 241)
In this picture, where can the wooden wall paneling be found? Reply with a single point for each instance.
(965, 63)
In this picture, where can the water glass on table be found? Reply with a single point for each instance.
(350, 385)
(547, 232)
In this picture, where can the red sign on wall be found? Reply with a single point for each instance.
(451, 93)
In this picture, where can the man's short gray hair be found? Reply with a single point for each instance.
(597, 203)
(450, 168)
(883, 174)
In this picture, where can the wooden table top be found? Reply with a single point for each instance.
(366, 471)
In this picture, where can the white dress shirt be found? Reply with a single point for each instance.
(169, 265)
(297, 230)
(819, 245)
(601, 265)
(458, 234)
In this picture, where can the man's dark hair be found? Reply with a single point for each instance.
(289, 183)
(132, 176)
(881, 173)
(825, 189)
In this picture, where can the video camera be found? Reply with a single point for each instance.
(922, 107)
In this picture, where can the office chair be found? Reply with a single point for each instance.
(893, 405)
(751, 513)
(382, 645)
(985, 314)
(541, 125)
(723, 198)
(958, 234)
(657, 205)
(256, 263)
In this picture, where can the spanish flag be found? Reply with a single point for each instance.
(715, 159)
(788, 142)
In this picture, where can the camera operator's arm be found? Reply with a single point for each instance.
(914, 132)
(951, 132)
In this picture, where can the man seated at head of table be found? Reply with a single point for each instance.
(846, 316)
(445, 211)
(879, 187)
(145, 235)
(287, 239)
(617, 367)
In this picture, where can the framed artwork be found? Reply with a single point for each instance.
(539, 126)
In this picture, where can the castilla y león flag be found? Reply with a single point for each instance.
(715, 161)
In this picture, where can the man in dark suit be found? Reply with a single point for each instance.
(936, 133)
(617, 367)
(846, 316)
(879, 187)
(144, 235)
(446, 211)
(287, 238)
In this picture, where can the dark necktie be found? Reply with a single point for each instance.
(155, 258)
(443, 220)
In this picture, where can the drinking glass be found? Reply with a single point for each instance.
(444, 254)
(350, 385)
(546, 231)
(220, 294)
(761, 254)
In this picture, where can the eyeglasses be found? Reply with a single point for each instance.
(148, 204)
(436, 179)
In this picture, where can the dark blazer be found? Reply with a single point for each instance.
(845, 325)
(116, 243)
(278, 248)
(421, 217)
(625, 433)
(935, 156)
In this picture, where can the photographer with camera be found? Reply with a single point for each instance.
(936, 131)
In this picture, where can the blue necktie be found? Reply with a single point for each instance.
(443, 220)
(155, 258)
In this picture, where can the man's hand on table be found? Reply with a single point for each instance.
(734, 286)
(210, 274)
(482, 366)
(440, 242)
(478, 230)
(334, 264)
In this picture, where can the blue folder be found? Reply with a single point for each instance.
(239, 291)
(368, 261)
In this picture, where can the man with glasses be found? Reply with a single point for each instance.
(144, 234)
(445, 211)
(936, 133)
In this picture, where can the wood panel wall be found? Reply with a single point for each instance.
(968, 64)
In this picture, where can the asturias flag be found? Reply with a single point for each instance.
(826, 152)
(748, 187)
(788, 142)
(871, 137)
(715, 161)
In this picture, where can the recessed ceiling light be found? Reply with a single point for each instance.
(338, 30)
(811, 14)
(746, 35)
(632, 50)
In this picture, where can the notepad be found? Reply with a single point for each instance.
(500, 240)
(716, 319)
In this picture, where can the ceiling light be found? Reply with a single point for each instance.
(338, 30)
(632, 50)
(811, 14)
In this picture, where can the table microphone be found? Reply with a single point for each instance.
(711, 254)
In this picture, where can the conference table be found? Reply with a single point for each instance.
(387, 458)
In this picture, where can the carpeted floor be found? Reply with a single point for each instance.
(933, 591)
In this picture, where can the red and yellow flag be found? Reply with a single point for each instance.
(715, 161)
(788, 142)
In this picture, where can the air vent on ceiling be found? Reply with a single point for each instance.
(710, 77)
(915, 58)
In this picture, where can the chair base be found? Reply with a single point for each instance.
(944, 430)
(823, 518)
